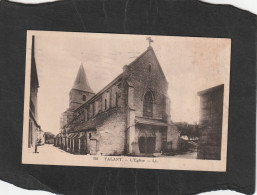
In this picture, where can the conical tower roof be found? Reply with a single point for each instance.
(81, 82)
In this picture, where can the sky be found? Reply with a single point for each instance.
(190, 65)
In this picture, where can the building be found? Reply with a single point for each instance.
(211, 114)
(129, 116)
(34, 127)
(40, 137)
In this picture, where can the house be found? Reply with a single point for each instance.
(34, 127)
(129, 116)
(211, 114)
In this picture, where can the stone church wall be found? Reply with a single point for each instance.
(111, 135)
(76, 98)
(146, 75)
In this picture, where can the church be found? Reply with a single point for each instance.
(129, 116)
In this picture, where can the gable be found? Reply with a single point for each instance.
(143, 62)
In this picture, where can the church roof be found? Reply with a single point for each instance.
(81, 82)
(149, 49)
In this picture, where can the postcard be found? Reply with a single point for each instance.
(126, 101)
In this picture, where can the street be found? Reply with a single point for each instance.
(51, 150)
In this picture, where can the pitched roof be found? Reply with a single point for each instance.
(81, 82)
(34, 76)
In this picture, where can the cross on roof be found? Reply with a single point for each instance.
(149, 40)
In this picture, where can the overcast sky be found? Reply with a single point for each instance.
(189, 64)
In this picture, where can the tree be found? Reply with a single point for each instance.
(189, 130)
(49, 135)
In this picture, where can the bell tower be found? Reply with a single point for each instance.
(81, 91)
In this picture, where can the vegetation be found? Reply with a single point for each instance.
(192, 132)
(189, 130)
(49, 138)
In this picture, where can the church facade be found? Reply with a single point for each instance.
(129, 116)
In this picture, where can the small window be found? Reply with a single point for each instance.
(105, 104)
(88, 113)
(100, 105)
(96, 107)
(85, 115)
(149, 67)
(117, 98)
(90, 135)
(84, 98)
(93, 109)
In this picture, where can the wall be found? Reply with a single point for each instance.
(33, 100)
(211, 113)
(34, 133)
(112, 135)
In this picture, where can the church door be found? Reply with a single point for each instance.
(142, 144)
(150, 145)
(147, 145)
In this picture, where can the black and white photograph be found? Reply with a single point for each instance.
(129, 101)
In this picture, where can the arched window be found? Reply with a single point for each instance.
(148, 104)
(84, 98)
(149, 67)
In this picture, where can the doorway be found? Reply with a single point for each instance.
(147, 144)
(83, 145)
(76, 145)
